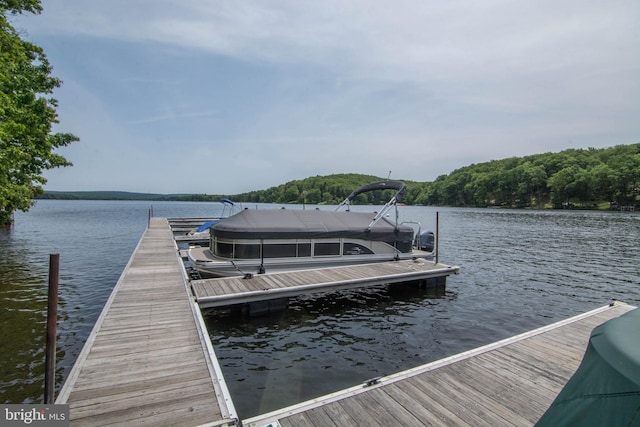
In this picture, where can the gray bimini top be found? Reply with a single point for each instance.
(311, 224)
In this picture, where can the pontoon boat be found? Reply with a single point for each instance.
(275, 240)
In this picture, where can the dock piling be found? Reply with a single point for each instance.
(52, 320)
(437, 235)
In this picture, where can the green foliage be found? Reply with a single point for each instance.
(26, 115)
(331, 189)
(587, 178)
(19, 6)
(572, 177)
(119, 195)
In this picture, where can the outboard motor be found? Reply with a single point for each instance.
(426, 241)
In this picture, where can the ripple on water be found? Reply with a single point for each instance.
(519, 270)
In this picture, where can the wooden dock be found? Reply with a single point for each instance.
(147, 360)
(510, 382)
(262, 287)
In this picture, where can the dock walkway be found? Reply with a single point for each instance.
(510, 382)
(149, 361)
(146, 360)
(262, 287)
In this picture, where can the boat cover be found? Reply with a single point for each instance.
(311, 224)
(605, 390)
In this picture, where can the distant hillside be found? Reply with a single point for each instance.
(591, 178)
(328, 189)
(331, 189)
(108, 195)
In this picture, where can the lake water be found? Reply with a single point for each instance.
(520, 269)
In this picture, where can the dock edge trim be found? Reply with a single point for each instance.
(215, 371)
(265, 419)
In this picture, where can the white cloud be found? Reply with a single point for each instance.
(407, 38)
(291, 88)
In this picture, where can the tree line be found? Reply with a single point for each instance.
(591, 178)
(585, 178)
(328, 189)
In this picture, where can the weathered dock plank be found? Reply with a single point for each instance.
(511, 382)
(148, 360)
(145, 361)
(261, 287)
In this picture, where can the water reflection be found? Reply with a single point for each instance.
(325, 342)
(23, 292)
(94, 245)
(519, 270)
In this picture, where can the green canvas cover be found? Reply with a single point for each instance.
(605, 390)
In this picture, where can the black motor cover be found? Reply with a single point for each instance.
(426, 242)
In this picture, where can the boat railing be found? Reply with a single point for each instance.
(226, 203)
(382, 185)
(391, 203)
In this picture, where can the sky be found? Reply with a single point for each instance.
(228, 96)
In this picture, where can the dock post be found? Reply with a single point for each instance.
(437, 235)
(52, 320)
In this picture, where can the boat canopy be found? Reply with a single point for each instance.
(381, 185)
(308, 224)
(605, 388)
